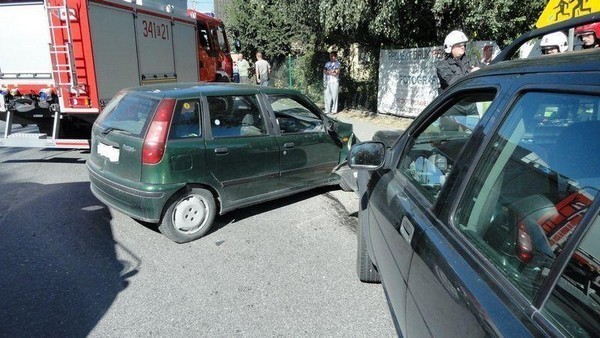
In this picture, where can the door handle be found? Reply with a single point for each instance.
(289, 145)
(221, 150)
(407, 229)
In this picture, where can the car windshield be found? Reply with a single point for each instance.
(129, 112)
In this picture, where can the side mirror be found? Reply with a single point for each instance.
(366, 156)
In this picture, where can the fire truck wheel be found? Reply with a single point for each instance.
(189, 216)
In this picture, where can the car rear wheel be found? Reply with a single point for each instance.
(364, 266)
(189, 216)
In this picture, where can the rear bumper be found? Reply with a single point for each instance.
(141, 201)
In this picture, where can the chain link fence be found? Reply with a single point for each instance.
(294, 74)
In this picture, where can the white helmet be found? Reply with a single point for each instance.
(556, 39)
(455, 37)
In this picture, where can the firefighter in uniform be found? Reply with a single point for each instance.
(589, 35)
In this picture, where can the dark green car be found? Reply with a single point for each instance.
(179, 154)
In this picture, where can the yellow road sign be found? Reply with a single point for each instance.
(561, 10)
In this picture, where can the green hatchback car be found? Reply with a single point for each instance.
(179, 154)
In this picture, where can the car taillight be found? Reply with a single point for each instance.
(524, 244)
(156, 138)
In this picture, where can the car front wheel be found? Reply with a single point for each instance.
(364, 266)
(189, 216)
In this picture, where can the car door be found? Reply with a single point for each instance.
(402, 199)
(241, 151)
(308, 153)
(487, 263)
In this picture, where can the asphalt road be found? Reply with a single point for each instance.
(69, 266)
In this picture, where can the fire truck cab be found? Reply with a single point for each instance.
(65, 59)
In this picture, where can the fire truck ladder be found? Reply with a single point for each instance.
(64, 77)
(68, 67)
(61, 44)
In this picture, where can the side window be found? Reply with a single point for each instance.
(203, 37)
(186, 120)
(221, 38)
(433, 151)
(574, 305)
(294, 117)
(533, 185)
(235, 116)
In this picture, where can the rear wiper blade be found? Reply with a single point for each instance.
(109, 129)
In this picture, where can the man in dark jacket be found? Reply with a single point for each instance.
(456, 64)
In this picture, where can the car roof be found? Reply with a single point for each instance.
(567, 62)
(573, 61)
(181, 90)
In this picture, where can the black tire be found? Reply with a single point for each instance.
(189, 216)
(365, 269)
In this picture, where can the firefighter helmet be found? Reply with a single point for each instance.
(454, 38)
(589, 28)
(556, 39)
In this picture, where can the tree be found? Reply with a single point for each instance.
(307, 28)
(499, 20)
(276, 28)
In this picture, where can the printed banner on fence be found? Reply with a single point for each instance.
(407, 80)
(407, 77)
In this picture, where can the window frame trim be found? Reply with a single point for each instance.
(531, 307)
(562, 261)
(198, 100)
(207, 126)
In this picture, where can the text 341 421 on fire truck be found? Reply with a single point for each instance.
(65, 59)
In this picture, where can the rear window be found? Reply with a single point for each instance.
(129, 112)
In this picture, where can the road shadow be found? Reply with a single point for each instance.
(253, 210)
(64, 160)
(59, 272)
(54, 156)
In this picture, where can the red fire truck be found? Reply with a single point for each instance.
(61, 61)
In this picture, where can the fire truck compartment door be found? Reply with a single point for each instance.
(115, 56)
(155, 44)
(186, 52)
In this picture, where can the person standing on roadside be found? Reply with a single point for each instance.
(243, 67)
(456, 64)
(236, 72)
(331, 73)
(263, 70)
